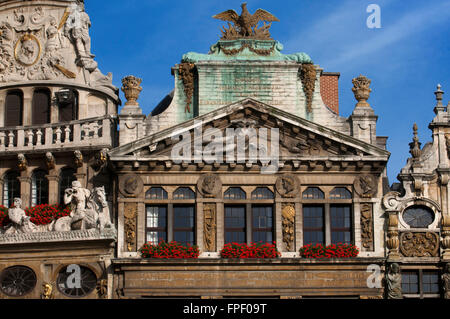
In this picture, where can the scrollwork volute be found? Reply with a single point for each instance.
(391, 201)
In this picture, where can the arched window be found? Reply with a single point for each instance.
(184, 193)
(39, 188)
(235, 193)
(418, 216)
(66, 178)
(340, 193)
(14, 109)
(156, 193)
(11, 188)
(17, 281)
(313, 193)
(262, 193)
(41, 107)
(68, 106)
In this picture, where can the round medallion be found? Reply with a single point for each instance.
(288, 186)
(27, 50)
(131, 185)
(209, 185)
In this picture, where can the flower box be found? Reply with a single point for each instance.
(169, 250)
(40, 215)
(333, 251)
(254, 251)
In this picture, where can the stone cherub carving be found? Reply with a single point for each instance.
(394, 282)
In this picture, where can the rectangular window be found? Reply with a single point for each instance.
(156, 224)
(341, 220)
(183, 226)
(420, 284)
(262, 224)
(313, 225)
(235, 224)
(410, 282)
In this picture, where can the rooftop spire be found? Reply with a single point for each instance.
(415, 145)
(439, 95)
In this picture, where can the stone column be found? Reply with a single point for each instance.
(25, 191)
(82, 105)
(2, 107)
(393, 240)
(53, 189)
(27, 102)
(54, 110)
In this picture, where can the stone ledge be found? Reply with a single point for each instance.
(48, 237)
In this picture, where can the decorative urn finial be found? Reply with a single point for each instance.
(361, 89)
(132, 88)
(439, 96)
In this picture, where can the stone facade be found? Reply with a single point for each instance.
(328, 181)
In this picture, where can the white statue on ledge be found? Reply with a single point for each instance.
(21, 223)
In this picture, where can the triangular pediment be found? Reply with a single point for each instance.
(299, 139)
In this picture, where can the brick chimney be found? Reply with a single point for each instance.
(329, 88)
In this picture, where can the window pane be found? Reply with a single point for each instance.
(313, 225)
(156, 224)
(340, 193)
(410, 282)
(39, 188)
(14, 109)
(184, 193)
(156, 193)
(340, 224)
(184, 219)
(235, 224)
(418, 216)
(313, 193)
(430, 282)
(41, 107)
(262, 193)
(11, 188)
(235, 193)
(262, 221)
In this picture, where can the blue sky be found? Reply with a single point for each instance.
(405, 59)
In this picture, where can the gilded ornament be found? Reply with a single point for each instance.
(209, 227)
(288, 223)
(27, 50)
(47, 291)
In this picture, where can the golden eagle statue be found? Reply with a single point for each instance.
(246, 21)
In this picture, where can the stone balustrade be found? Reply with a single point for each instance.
(88, 132)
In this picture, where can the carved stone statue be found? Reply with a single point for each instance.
(394, 282)
(89, 210)
(50, 161)
(20, 221)
(22, 162)
(362, 90)
(77, 29)
(446, 281)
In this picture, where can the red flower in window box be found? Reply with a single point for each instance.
(40, 215)
(254, 251)
(332, 251)
(172, 250)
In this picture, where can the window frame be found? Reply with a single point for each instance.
(6, 184)
(39, 199)
(420, 283)
(155, 229)
(185, 229)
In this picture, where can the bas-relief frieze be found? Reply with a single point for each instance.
(42, 43)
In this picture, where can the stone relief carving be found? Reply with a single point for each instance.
(288, 223)
(367, 227)
(130, 226)
(209, 185)
(34, 47)
(366, 186)
(288, 186)
(394, 282)
(78, 157)
(446, 281)
(101, 159)
(419, 244)
(131, 185)
(296, 146)
(209, 227)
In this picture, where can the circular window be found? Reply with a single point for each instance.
(17, 281)
(76, 282)
(418, 216)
